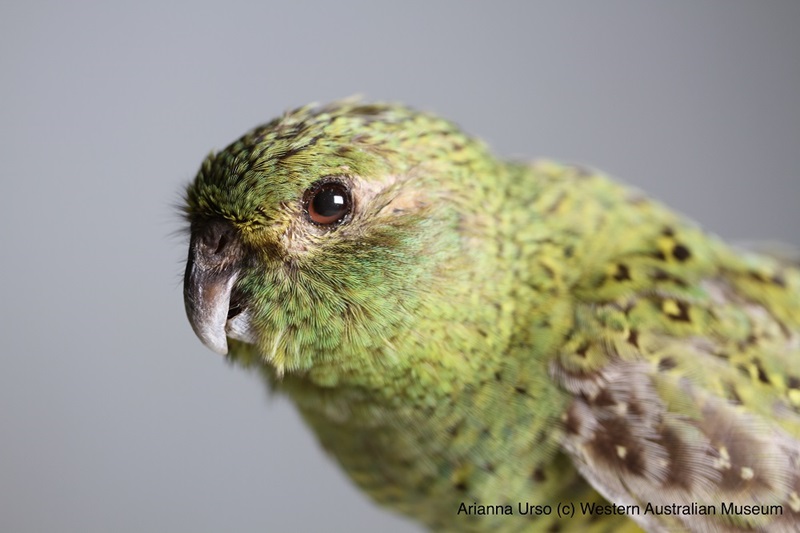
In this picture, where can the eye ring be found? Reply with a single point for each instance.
(328, 202)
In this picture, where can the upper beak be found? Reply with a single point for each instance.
(211, 272)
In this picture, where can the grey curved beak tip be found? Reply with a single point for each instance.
(207, 298)
(208, 327)
(216, 343)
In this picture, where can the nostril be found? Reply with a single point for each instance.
(215, 245)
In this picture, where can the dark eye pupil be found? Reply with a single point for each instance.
(328, 202)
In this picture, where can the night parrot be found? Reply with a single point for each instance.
(487, 345)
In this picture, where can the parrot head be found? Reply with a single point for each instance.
(323, 236)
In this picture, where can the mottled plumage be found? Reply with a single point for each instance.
(479, 331)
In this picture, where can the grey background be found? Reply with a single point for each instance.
(113, 416)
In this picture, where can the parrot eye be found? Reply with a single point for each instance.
(327, 202)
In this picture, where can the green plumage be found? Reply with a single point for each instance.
(491, 333)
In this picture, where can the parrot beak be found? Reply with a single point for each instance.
(211, 272)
